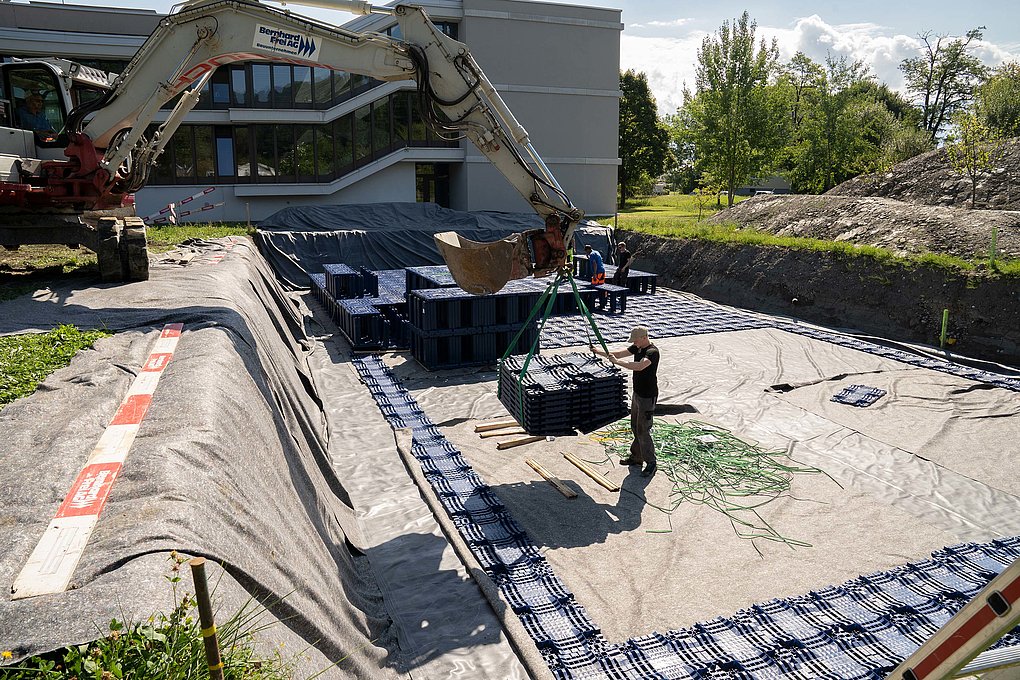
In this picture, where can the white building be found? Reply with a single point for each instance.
(270, 135)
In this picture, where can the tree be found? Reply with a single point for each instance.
(643, 138)
(971, 149)
(836, 126)
(736, 122)
(998, 100)
(800, 75)
(943, 77)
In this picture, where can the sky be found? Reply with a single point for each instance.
(661, 37)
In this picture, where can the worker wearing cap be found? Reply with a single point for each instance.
(646, 391)
(31, 115)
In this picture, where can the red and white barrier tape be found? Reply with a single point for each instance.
(185, 213)
(165, 212)
(52, 563)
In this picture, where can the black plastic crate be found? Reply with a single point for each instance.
(342, 281)
(438, 349)
(562, 393)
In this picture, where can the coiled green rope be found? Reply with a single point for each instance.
(708, 465)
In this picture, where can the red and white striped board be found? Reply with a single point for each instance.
(52, 563)
(977, 626)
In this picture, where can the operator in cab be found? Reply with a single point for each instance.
(646, 391)
(31, 116)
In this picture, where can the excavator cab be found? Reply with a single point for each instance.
(484, 268)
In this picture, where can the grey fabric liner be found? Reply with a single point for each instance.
(895, 506)
(299, 240)
(445, 627)
(230, 463)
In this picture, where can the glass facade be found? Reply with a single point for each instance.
(287, 153)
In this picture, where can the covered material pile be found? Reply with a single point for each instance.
(557, 395)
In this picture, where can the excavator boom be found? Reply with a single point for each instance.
(111, 148)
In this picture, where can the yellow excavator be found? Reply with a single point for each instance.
(71, 182)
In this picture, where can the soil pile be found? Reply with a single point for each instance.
(899, 226)
(920, 205)
(929, 179)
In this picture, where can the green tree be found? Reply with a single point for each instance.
(836, 126)
(735, 121)
(799, 76)
(644, 139)
(971, 149)
(998, 100)
(943, 77)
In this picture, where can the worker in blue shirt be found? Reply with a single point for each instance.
(31, 115)
(595, 266)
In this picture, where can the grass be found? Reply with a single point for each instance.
(164, 238)
(676, 216)
(26, 360)
(29, 267)
(167, 645)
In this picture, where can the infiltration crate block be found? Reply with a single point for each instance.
(562, 393)
(343, 282)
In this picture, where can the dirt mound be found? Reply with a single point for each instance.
(929, 179)
(894, 224)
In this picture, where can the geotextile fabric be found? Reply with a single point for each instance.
(858, 630)
(229, 463)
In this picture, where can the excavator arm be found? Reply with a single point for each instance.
(111, 148)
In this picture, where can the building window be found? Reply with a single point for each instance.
(302, 87)
(265, 152)
(283, 87)
(324, 153)
(432, 183)
(261, 85)
(184, 154)
(363, 134)
(322, 85)
(204, 161)
(344, 143)
(225, 165)
(304, 152)
(242, 151)
(381, 134)
(221, 88)
(238, 86)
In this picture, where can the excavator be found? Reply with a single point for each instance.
(72, 180)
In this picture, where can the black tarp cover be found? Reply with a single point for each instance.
(299, 240)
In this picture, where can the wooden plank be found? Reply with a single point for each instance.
(591, 472)
(518, 442)
(560, 486)
(486, 435)
(496, 426)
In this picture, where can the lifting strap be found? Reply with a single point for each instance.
(547, 300)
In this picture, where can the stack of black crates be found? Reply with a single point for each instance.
(451, 328)
(370, 311)
(562, 393)
(423, 309)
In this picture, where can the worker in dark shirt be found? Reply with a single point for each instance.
(622, 264)
(646, 390)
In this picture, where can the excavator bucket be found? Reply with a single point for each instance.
(484, 268)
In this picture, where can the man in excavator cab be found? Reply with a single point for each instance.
(31, 114)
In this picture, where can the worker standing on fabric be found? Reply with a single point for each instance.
(596, 267)
(646, 392)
